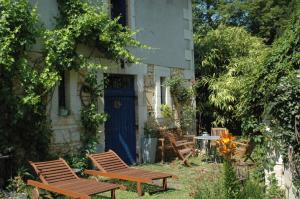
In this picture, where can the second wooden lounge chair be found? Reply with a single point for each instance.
(109, 164)
(56, 176)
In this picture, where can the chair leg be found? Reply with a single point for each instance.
(185, 160)
(165, 186)
(139, 189)
(163, 152)
(248, 157)
(35, 193)
(251, 159)
(113, 194)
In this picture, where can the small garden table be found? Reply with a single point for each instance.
(205, 139)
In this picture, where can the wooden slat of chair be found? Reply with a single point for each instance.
(48, 174)
(57, 176)
(108, 162)
(120, 170)
(216, 132)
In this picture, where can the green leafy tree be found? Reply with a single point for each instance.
(263, 18)
(224, 57)
(275, 93)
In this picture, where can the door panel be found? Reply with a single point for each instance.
(120, 133)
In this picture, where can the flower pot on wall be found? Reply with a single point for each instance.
(149, 145)
(63, 112)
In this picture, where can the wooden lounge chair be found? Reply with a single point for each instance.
(56, 176)
(109, 164)
(183, 148)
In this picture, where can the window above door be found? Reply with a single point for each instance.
(119, 8)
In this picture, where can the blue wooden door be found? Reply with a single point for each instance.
(119, 103)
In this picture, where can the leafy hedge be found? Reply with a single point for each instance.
(24, 128)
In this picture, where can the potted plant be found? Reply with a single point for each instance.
(17, 188)
(167, 116)
(149, 143)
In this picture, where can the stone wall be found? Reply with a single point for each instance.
(67, 129)
(149, 89)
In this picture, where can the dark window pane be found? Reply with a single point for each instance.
(119, 81)
(119, 8)
(163, 90)
(62, 92)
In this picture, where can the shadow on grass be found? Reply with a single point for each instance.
(194, 164)
(147, 188)
(101, 197)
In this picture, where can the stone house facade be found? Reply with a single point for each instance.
(165, 26)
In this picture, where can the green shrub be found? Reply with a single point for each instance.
(252, 190)
(210, 186)
(230, 182)
(210, 189)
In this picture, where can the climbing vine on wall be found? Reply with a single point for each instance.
(26, 87)
(183, 97)
(24, 128)
(83, 23)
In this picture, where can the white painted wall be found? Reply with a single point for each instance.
(284, 178)
(166, 26)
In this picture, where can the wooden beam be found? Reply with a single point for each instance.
(139, 189)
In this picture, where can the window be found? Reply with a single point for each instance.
(114, 81)
(62, 92)
(163, 90)
(119, 8)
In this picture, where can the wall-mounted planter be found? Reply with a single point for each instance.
(63, 112)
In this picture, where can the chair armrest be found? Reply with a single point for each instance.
(189, 136)
(184, 144)
(57, 190)
(240, 143)
(181, 141)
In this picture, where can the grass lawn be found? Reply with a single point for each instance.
(182, 188)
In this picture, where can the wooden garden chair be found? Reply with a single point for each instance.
(164, 144)
(244, 151)
(109, 164)
(56, 176)
(216, 132)
(183, 148)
